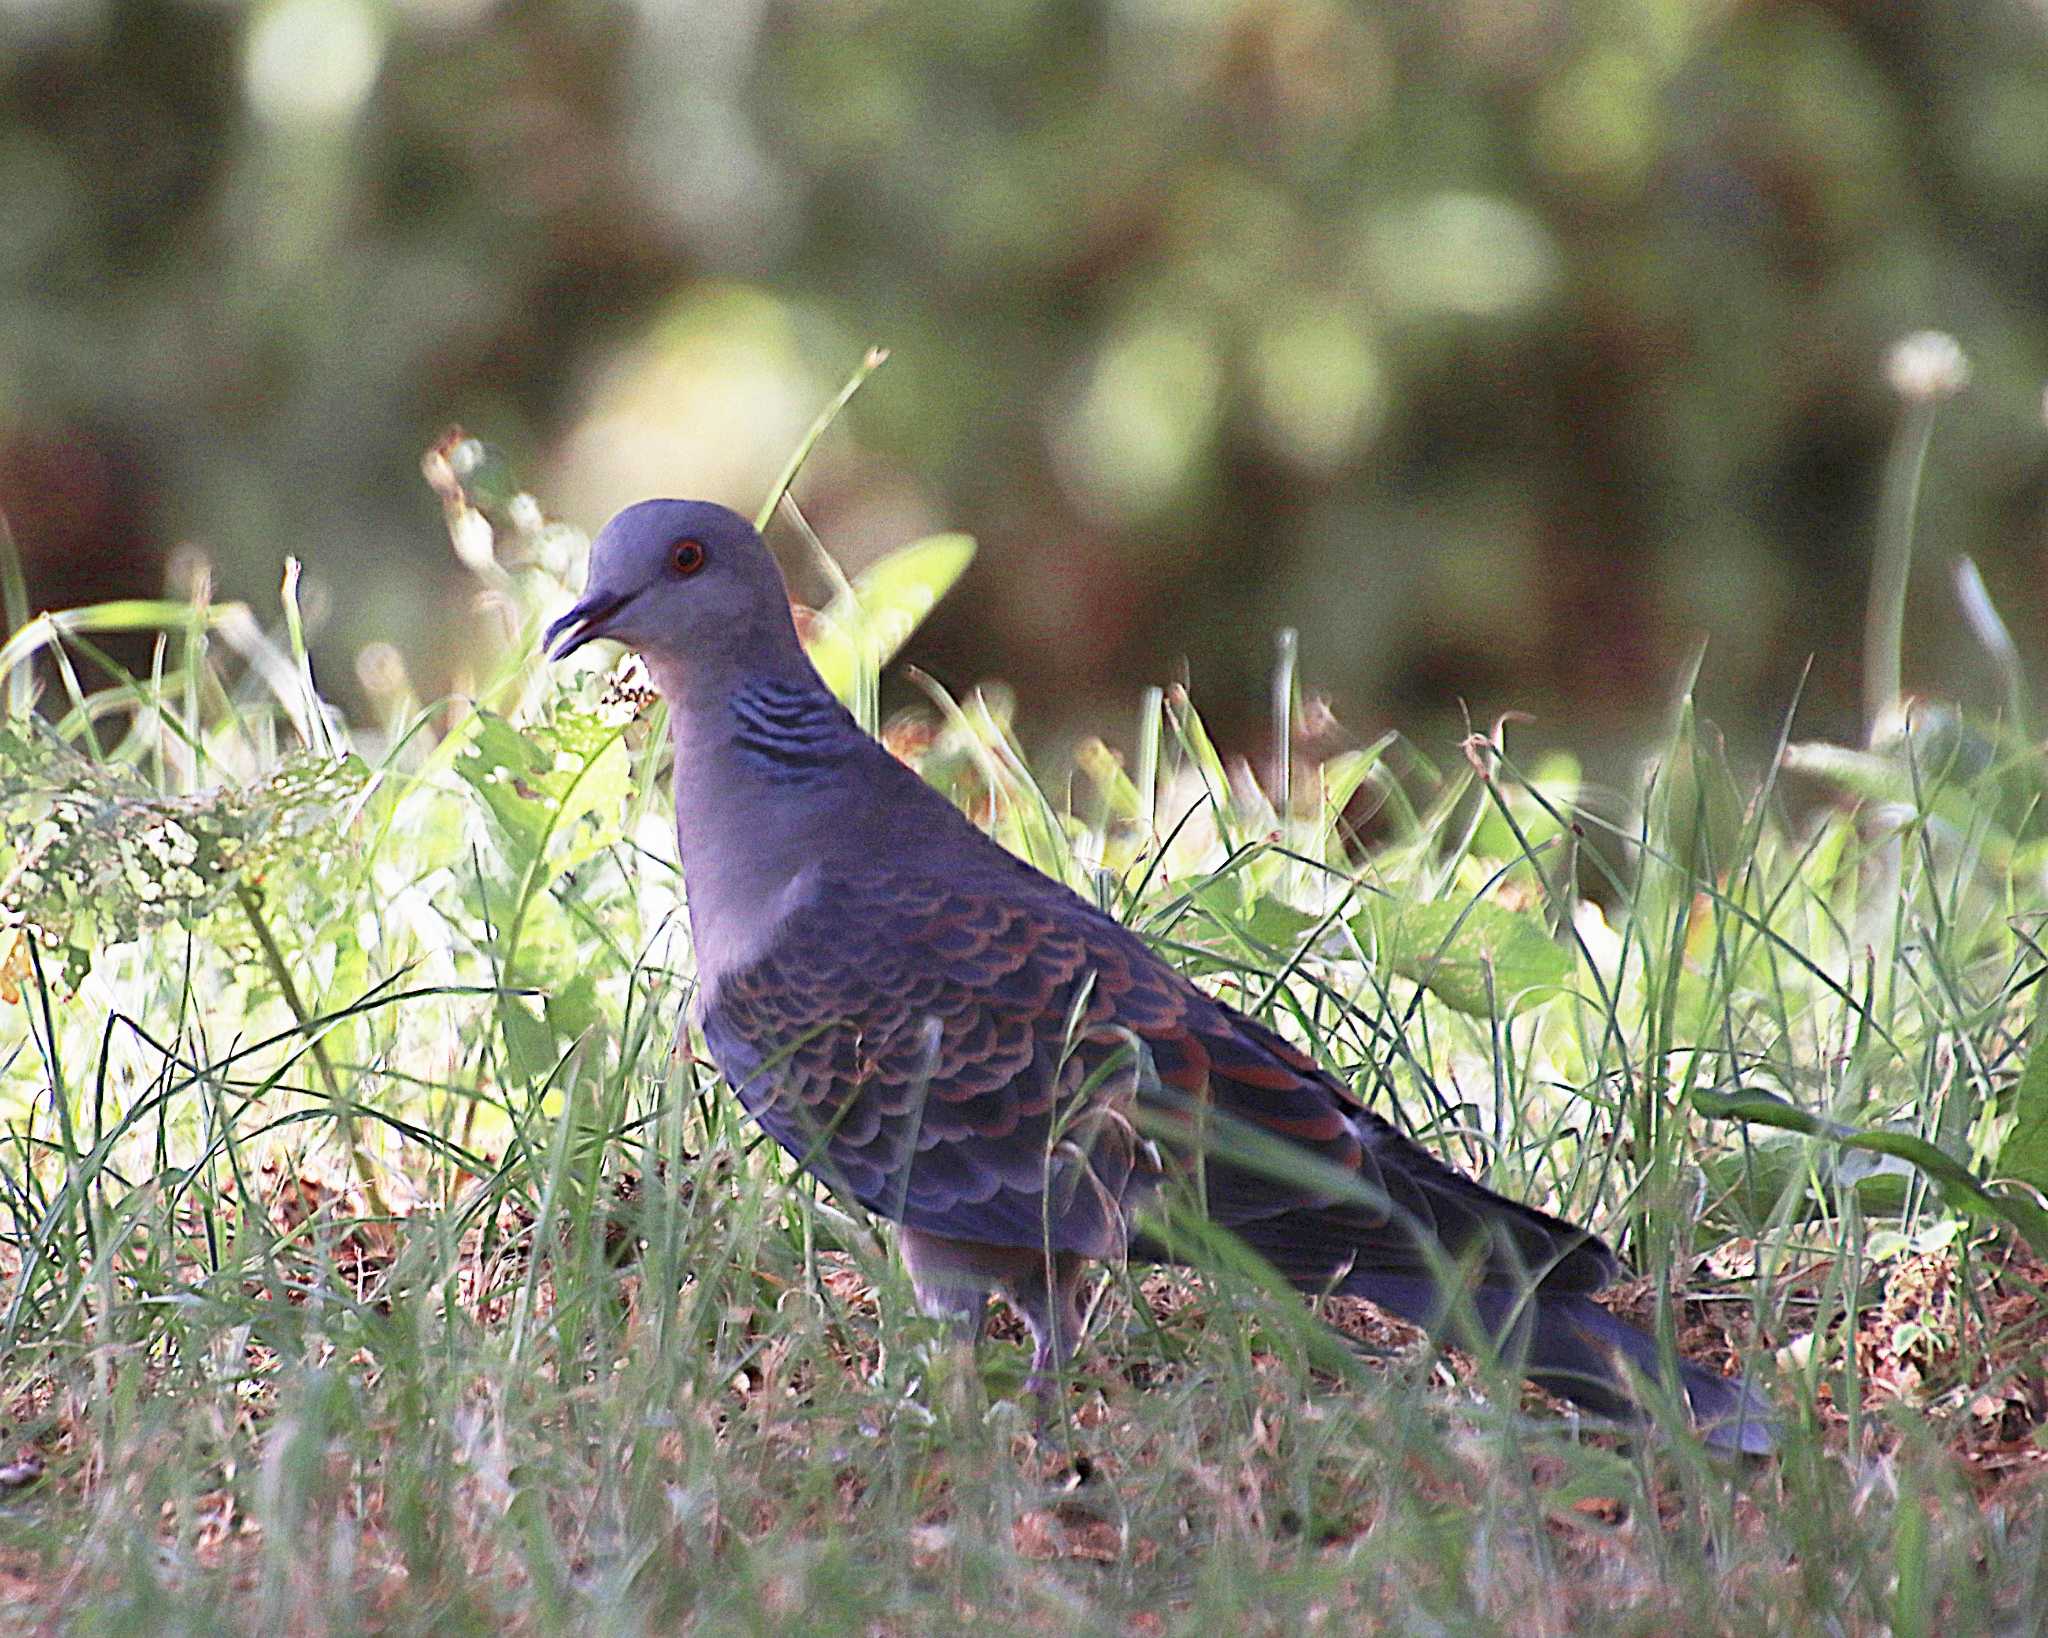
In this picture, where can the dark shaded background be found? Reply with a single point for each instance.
(1506, 347)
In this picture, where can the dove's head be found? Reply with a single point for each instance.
(687, 583)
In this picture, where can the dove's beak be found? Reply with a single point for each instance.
(582, 623)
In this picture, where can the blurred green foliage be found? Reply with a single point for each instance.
(1504, 347)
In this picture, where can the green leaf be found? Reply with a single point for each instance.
(1872, 775)
(1960, 1187)
(1347, 770)
(536, 784)
(1977, 776)
(1557, 779)
(1476, 956)
(1696, 810)
(555, 794)
(1752, 1183)
(1120, 797)
(572, 1008)
(863, 627)
(1196, 745)
(1267, 922)
(530, 1050)
(2025, 1154)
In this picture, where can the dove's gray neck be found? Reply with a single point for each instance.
(767, 791)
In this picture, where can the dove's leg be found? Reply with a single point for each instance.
(952, 1278)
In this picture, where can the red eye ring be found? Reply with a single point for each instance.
(687, 556)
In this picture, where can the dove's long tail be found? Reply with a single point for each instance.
(1427, 1242)
(1569, 1344)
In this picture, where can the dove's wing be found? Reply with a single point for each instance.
(984, 1059)
(930, 1047)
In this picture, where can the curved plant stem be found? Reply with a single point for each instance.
(344, 1107)
(1884, 621)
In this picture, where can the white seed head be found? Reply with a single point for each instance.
(1927, 367)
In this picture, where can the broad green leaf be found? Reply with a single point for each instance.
(2025, 1154)
(530, 1050)
(1476, 956)
(556, 794)
(863, 627)
(1975, 775)
(1557, 779)
(1960, 1187)
(572, 1008)
(1266, 921)
(537, 784)
(1751, 1183)
(1860, 773)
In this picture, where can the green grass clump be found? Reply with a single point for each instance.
(379, 1253)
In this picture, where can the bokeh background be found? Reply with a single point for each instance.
(1507, 348)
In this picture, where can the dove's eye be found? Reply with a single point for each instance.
(687, 556)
